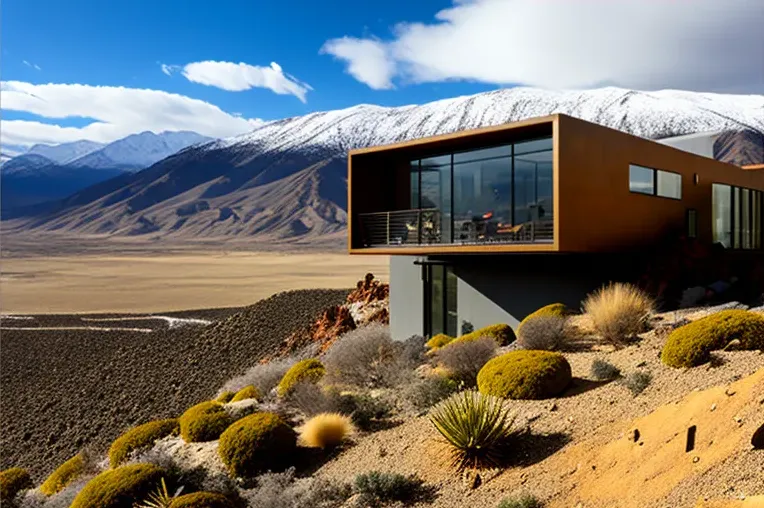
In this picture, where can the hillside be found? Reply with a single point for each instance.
(286, 179)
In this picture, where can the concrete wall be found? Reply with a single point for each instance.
(701, 143)
(406, 297)
(502, 288)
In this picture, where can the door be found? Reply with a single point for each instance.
(440, 298)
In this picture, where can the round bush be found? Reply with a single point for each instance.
(259, 442)
(248, 392)
(439, 341)
(202, 500)
(225, 397)
(525, 375)
(142, 436)
(553, 309)
(13, 481)
(309, 371)
(691, 344)
(204, 422)
(63, 475)
(120, 488)
(501, 333)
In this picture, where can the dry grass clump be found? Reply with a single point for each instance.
(375, 488)
(360, 357)
(326, 430)
(264, 377)
(424, 393)
(602, 370)
(521, 501)
(637, 381)
(476, 426)
(547, 333)
(619, 311)
(463, 360)
(283, 490)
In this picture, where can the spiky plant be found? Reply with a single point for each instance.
(161, 498)
(476, 426)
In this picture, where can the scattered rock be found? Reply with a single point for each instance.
(757, 440)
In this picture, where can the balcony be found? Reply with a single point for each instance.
(425, 227)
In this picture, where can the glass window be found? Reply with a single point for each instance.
(736, 217)
(722, 214)
(415, 185)
(482, 154)
(641, 179)
(436, 193)
(745, 223)
(537, 145)
(692, 223)
(482, 198)
(669, 184)
(451, 296)
(437, 293)
(757, 213)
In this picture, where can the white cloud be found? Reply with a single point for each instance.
(367, 60)
(169, 69)
(116, 112)
(699, 45)
(32, 65)
(238, 77)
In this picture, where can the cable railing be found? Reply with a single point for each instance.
(425, 227)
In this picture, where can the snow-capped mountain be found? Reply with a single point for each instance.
(65, 152)
(35, 177)
(139, 151)
(287, 178)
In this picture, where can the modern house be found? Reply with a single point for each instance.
(487, 225)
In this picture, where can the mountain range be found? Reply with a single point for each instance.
(286, 180)
(47, 172)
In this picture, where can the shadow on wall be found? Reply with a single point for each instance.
(520, 284)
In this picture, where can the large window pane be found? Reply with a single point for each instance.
(436, 194)
(641, 179)
(736, 242)
(757, 204)
(482, 154)
(482, 198)
(541, 206)
(722, 214)
(745, 223)
(669, 185)
(415, 184)
(536, 145)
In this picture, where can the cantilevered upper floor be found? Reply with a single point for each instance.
(549, 184)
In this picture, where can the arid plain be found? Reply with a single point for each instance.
(91, 276)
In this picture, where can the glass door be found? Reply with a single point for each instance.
(440, 298)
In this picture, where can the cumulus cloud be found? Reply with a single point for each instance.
(698, 45)
(367, 60)
(116, 112)
(238, 77)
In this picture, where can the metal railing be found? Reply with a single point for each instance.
(424, 227)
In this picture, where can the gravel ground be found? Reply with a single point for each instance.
(587, 411)
(65, 389)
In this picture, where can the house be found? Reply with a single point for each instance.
(487, 225)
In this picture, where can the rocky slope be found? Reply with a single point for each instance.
(286, 179)
(65, 389)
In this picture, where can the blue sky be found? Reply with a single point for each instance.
(339, 53)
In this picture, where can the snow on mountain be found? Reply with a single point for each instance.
(66, 152)
(648, 114)
(139, 151)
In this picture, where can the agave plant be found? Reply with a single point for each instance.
(476, 426)
(159, 499)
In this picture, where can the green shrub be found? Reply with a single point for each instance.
(63, 475)
(475, 425)
(119, 488)
(204, 422)
(248, 392)
(225, 397)
(637, 381)
(142, 436)
(309, 371)
(13, 481)
(690, 345)
(259, 442)
(439, 341)
(501, 333)
(376, 487)
(553, 309)
(525, 375)
(521, 501)
(202, 500)
(422, 394)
